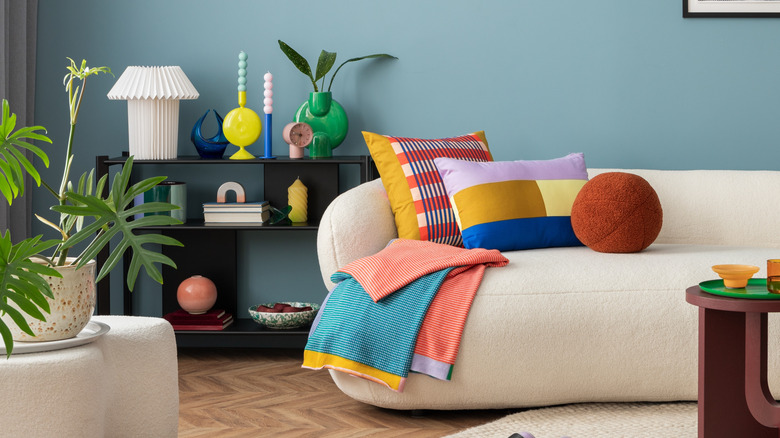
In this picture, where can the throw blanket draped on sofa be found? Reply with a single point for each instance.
(401, 309)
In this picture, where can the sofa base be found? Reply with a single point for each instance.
(545, 331)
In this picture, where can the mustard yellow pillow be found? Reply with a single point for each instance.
(417, 195)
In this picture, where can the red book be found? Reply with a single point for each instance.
(182, 316)
(204, 326)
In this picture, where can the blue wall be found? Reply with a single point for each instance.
(630, 84)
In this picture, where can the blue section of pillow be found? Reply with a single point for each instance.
(525, 233)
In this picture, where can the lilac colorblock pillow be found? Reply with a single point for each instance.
(511, 205)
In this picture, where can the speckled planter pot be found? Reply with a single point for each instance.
(71, 308)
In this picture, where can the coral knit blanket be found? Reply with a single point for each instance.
(401, 309)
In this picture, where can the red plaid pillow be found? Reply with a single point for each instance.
(417, 196)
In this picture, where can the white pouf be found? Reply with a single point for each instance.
(124, 384)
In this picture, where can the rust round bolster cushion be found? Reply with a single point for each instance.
(617, 212)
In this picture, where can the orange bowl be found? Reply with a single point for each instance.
(735, 276)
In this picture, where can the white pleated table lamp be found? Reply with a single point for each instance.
(153, 95)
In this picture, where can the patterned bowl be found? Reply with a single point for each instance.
(289, 320)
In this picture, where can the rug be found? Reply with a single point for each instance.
(595, 420)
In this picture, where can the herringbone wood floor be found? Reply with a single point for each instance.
(266, 393)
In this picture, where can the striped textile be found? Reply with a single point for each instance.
(401, 309)
(372, 340)
(435, 217)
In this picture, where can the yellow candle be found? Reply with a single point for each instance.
(298, 199)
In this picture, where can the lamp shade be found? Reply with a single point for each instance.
(153, 95)
(153, 83)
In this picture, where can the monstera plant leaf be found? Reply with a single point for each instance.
(21, 283)
(70, 222)
(84, 188)
(113, 218)
(12, 159)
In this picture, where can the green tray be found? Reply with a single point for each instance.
(755, 290)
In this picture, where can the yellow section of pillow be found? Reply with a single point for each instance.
(559, 194)
(498, 201)
(395, 184)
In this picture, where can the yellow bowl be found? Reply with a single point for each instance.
(735, 276)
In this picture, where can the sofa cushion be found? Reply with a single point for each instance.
(417, 197)
(511, 205)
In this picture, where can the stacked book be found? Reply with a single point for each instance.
(214, 319)
(236, 212)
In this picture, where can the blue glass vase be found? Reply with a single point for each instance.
(209, 148)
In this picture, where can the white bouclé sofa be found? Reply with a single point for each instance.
(566, 325)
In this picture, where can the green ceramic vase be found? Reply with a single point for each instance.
(328, 121)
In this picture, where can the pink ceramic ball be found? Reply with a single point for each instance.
(197, 294)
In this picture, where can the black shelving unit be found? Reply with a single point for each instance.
(321, 176)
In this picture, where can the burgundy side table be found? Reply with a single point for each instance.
(734, 398)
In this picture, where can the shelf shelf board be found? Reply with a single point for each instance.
(243, 333)
(247, 326)
(198, 224)
(194, 159)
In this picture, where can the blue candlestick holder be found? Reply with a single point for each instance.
(268, 146)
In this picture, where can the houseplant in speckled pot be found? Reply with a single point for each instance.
(37, 275)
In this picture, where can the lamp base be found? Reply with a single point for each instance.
(153, 128)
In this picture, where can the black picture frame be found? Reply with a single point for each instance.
(731, 8)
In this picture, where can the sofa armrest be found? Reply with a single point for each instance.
(358, 223)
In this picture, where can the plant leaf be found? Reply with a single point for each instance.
(15, 169)
(151, 207)
(113, 259)
(20, 280)
(8, 339)
(13, 160)
(28, 166)
(7, 187)
(298, 61)
(27, 306)
(324, 64)
(377, 55)
(156, 221)
(121, 180)
(142, 187)
(17, 317)
(112, 221)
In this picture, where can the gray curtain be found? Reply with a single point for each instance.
(17, 84)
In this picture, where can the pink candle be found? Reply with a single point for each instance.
(268, 108)
(268, 85)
